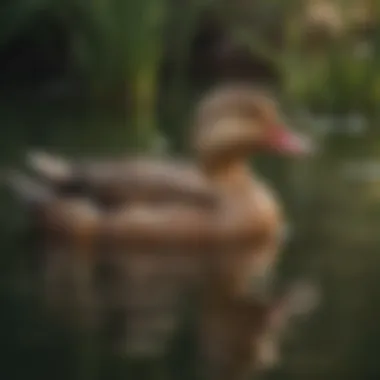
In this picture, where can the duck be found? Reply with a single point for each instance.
(239, 236)
(231, 124)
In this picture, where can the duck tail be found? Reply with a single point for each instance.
(30, 191)
(50, 168)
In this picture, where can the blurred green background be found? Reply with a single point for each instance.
(105, 76)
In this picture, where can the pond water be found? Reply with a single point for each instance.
(333, 204)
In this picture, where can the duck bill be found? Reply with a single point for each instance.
(284, 141)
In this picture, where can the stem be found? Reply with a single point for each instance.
(144, 105)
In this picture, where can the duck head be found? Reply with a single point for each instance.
(236, 121)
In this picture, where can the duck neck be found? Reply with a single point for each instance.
(232, 173)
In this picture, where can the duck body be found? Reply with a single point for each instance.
(153, 248)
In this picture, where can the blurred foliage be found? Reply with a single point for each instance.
(116, 46)
(119, 48)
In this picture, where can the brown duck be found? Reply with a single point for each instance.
(161, 205)
(231, 124)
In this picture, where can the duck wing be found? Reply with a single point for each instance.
(117, 181)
